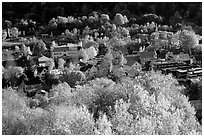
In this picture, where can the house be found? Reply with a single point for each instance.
(132, 59)
(164, 64)
(69, 50)
(137, 66)
(31, 87)
(123, 49)
(56, 72)
(41, 71)
(181, 73)
(62, 40)
(194, 72)
(147, 56)
(181, 57)
(85, 67)
(162, 54)
(42, 61)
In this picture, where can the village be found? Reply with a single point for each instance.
(180, 65)
(77, 51)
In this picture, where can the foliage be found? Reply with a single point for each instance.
(12, 75)
(188, 40)
(4, 34)
(195, 90)
(71, 120)
(152, 103)
(120, 19)
(14, 32)
(60, 93)
(106, 64)
(61, 63)
(91, 52)
(155, 110)
(19, 119)
(51, 79)
(197, 49)
(73, 78)
(121, 100)
(39, 47)
(51, 64)
(84, 55)
(103, 126)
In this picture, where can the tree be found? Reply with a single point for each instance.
(4, 34)
(84, 55)
(12, 75)
(24, 50)
(61, 63)
(17, 49)
(188, 40)
(106, 64)
(39, 48)
(197, 49)
(51, 64)
(14, 32)
(73, 78)
(91, 52)
(29, 51)
(119, 19)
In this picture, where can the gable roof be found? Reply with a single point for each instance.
(60, 49)
(124, 50)
(43, 58)
(182, 57)
(147, 55)
(132, 59)
(40, 69)
(136, 64)
(33, 81)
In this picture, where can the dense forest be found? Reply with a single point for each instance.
(44, 11)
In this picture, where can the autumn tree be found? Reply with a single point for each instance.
(73, 78)
(188, 40)
(12, 74)
(61, 63)
(83, 55)
(39, 47)
(51, 64)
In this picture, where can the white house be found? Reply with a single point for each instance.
(181, 57)
(42, 61)
(69, 50)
